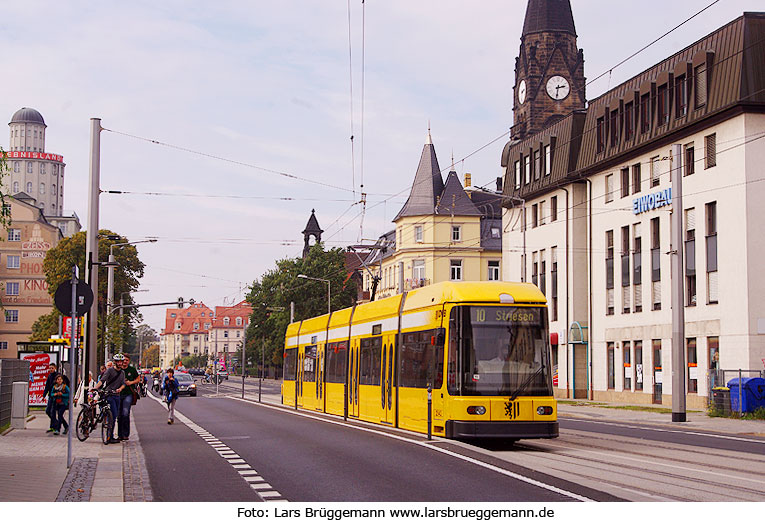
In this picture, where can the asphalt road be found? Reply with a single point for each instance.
(309, 459)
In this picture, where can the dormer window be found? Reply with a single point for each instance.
(225, 321)
(662, 105)
(238, 321)
(645, 113)
(681, 96)
(613, 124)
(629, 121)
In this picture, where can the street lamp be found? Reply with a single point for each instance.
(329, 288)
(110, 280)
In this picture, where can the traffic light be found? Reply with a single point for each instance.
(180, 302)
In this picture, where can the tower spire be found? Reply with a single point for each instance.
(548, 15)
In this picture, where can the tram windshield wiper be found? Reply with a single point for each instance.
(526, 383)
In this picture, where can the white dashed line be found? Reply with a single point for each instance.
(250, 476)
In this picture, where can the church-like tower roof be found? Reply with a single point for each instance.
(428, 185)
(548, 15)
(454, 200)
(313, 225)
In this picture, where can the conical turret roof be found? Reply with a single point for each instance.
(454, 200)
(548, 15)
(428, 185)
(313, 225)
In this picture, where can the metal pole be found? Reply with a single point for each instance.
(262, 368)
(678, 289)
(73, 362)
(109, 301)
(740, 388)
(244, 363)
(329, 295)
(91, 247)
(430, 411)
(292, 312)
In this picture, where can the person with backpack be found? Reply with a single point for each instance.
(52, 373)
(170, 389)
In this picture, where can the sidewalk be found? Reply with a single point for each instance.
(695, 420)
(33, 466)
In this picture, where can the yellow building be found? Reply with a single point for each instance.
(444, 232)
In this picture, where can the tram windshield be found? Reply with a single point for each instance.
(498, 351)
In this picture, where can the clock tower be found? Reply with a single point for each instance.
(549, 70)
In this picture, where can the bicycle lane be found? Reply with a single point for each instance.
(181, 465)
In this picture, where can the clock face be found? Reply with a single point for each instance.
(522, 92)
(558, 87)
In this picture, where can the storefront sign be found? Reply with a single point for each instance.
(38, 374)
(39, 155)
(652, 201)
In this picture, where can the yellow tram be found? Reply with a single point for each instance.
(481, 348)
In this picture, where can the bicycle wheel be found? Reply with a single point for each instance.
(83, 423)
(107, 425)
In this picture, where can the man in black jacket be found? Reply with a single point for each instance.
(46, 393)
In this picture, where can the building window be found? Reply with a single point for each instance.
(626, 292)
(42, 168)
(637, 269)
(16, 167)
(716, 377)
(700, 74)
(29, 188)
(456, 233)
(611, 365)
(542, 273)
(455, 270)
(625, 182)
(178, 325)
(710, 150)
(554, 282)
(53, 189)
(690, 257)
(553, 208)
(494, 270)
(711, 242)
(196, 326)
(638, 348)
(610, 272)
(527, 168)
(172, 315)
(537, 164)
(225, 334)
(601, 134)
(547, 160)
(655, 175)
(681, 96)
(418, 233)
(14, 234)
(517, 167)
(613, 124)
(11, 316)
(690, 159)
(534, 269)
(655, 264)
(629, 121)
(42, 188)
(645, 113)
(196, 337)
(609, 187)
(225, 321)
(627, 362)
(207, 326)
(11, 288)
(29, 167)
(662, 105)
(534, 215)
(238, 321)
(3, 345)
(16, 187)
(693, 375)
(418, 270)
(636, 183)
(13, 261)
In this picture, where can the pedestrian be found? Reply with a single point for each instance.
(170, 389)
(114, 383)
(46, 393)
(129, 397)
(101, 372)
(60, 395)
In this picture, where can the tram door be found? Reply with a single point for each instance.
(353, 380)
(386, 380)
(299, 376)
(319, 385)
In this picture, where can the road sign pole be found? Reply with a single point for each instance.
(73, 361)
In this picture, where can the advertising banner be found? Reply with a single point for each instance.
(38, 372)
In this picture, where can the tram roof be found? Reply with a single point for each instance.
(473, 292)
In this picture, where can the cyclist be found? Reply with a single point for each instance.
(208, 373)
(114, 382)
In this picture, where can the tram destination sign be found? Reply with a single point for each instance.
(652, 201)
(504, 315)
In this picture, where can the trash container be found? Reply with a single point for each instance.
(752, 394)
(721, 399)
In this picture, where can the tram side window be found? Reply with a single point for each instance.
(421, 361)
(336, 362)
(309, 364)
(369, 359)
(290, 357)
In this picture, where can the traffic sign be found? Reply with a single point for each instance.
(63, 297)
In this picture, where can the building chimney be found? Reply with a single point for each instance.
(468, 180)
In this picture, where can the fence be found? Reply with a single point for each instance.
(721, 377)
(11, 370)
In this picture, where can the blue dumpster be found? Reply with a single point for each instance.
(752, 394)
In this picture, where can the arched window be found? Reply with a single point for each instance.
(29, 188)
(225, 321)
(16, 187)
(238, 321)
(42, 188)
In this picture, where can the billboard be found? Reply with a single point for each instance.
(38, 373)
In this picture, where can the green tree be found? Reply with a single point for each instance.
(270, 298)
(71, 251)
(151, 356)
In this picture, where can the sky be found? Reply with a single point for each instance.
(250, 103)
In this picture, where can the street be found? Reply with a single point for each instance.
(223, 448)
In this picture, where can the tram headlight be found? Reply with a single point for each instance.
(476, 410)
(544, 411)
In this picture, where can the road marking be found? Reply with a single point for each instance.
(256, 483)
(690, 433)
(468, 459)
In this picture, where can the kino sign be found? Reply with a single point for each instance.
(652, 201)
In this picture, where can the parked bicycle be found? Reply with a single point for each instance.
(96, 410)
